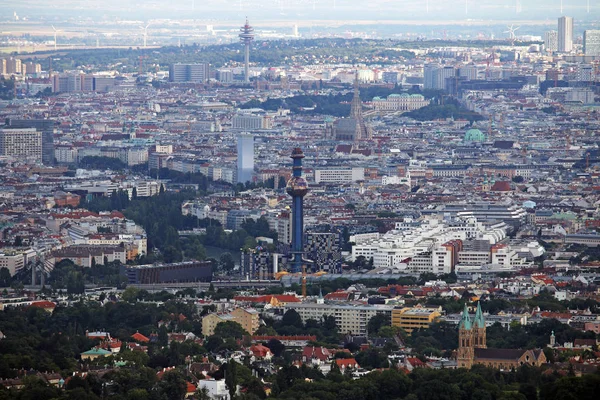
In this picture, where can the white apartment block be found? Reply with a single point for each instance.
(420, 243)
(339, 175)
(14, 261)
(251, 122)
(65, 154)
(352, 319)
(25, 144)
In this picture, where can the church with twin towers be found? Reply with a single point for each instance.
(472, 347)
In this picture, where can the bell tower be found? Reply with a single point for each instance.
(479, 334)
(466, 352)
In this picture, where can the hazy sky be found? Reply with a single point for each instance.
(263, 10)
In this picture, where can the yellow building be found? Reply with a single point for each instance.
(246, 317)
(411, 318)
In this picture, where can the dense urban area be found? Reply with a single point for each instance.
(299, 217)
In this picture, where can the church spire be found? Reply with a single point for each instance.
(465, 320)
(479, 322)
(356, 110)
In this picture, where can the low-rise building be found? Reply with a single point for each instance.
(247, 317)
(351, 319)
(411, 318)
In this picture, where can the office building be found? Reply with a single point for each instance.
(13, 260)
(435, 76)
(198, 73)
(24, 144)
(70, 83)
(551, 41)
(46, 127)
(187, 271)
(339, 175)
(411, 318)
(3, 66)
(591, 42)
(245, 159)
(565, 34)
(251, 122)
(585, 73)
(325, 251)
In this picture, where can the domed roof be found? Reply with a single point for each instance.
(297, 186)
(417, 95)
(474, 135)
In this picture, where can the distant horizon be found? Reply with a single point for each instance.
(414, 11)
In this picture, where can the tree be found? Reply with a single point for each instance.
(202, 394)
(376, 322)
(276, 347)
(172, 385)
(292, 318)
(518, 179)
(130, 294)
(231, 378)
(230, 329)
(5, 277)
(226, 262)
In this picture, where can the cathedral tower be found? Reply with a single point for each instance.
(479, 336)
(466, 350)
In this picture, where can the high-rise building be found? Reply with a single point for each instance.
(565, 34)
(46, 127)
(297, 187)
(13, 66)
(3, 66)
(551, 41)
(246, 37)
(25, 144)
(245, 160)
(435, 76)
(585, 73)
(199, 73)
(325, 251)
(591, 42)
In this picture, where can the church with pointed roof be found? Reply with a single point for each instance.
(353, 128)
(472, 347)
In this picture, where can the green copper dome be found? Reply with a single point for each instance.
(474, 135)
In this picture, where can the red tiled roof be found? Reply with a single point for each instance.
(347, 362)
(140, 338)
(45, 304)
(284, 298)
(190, 388)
